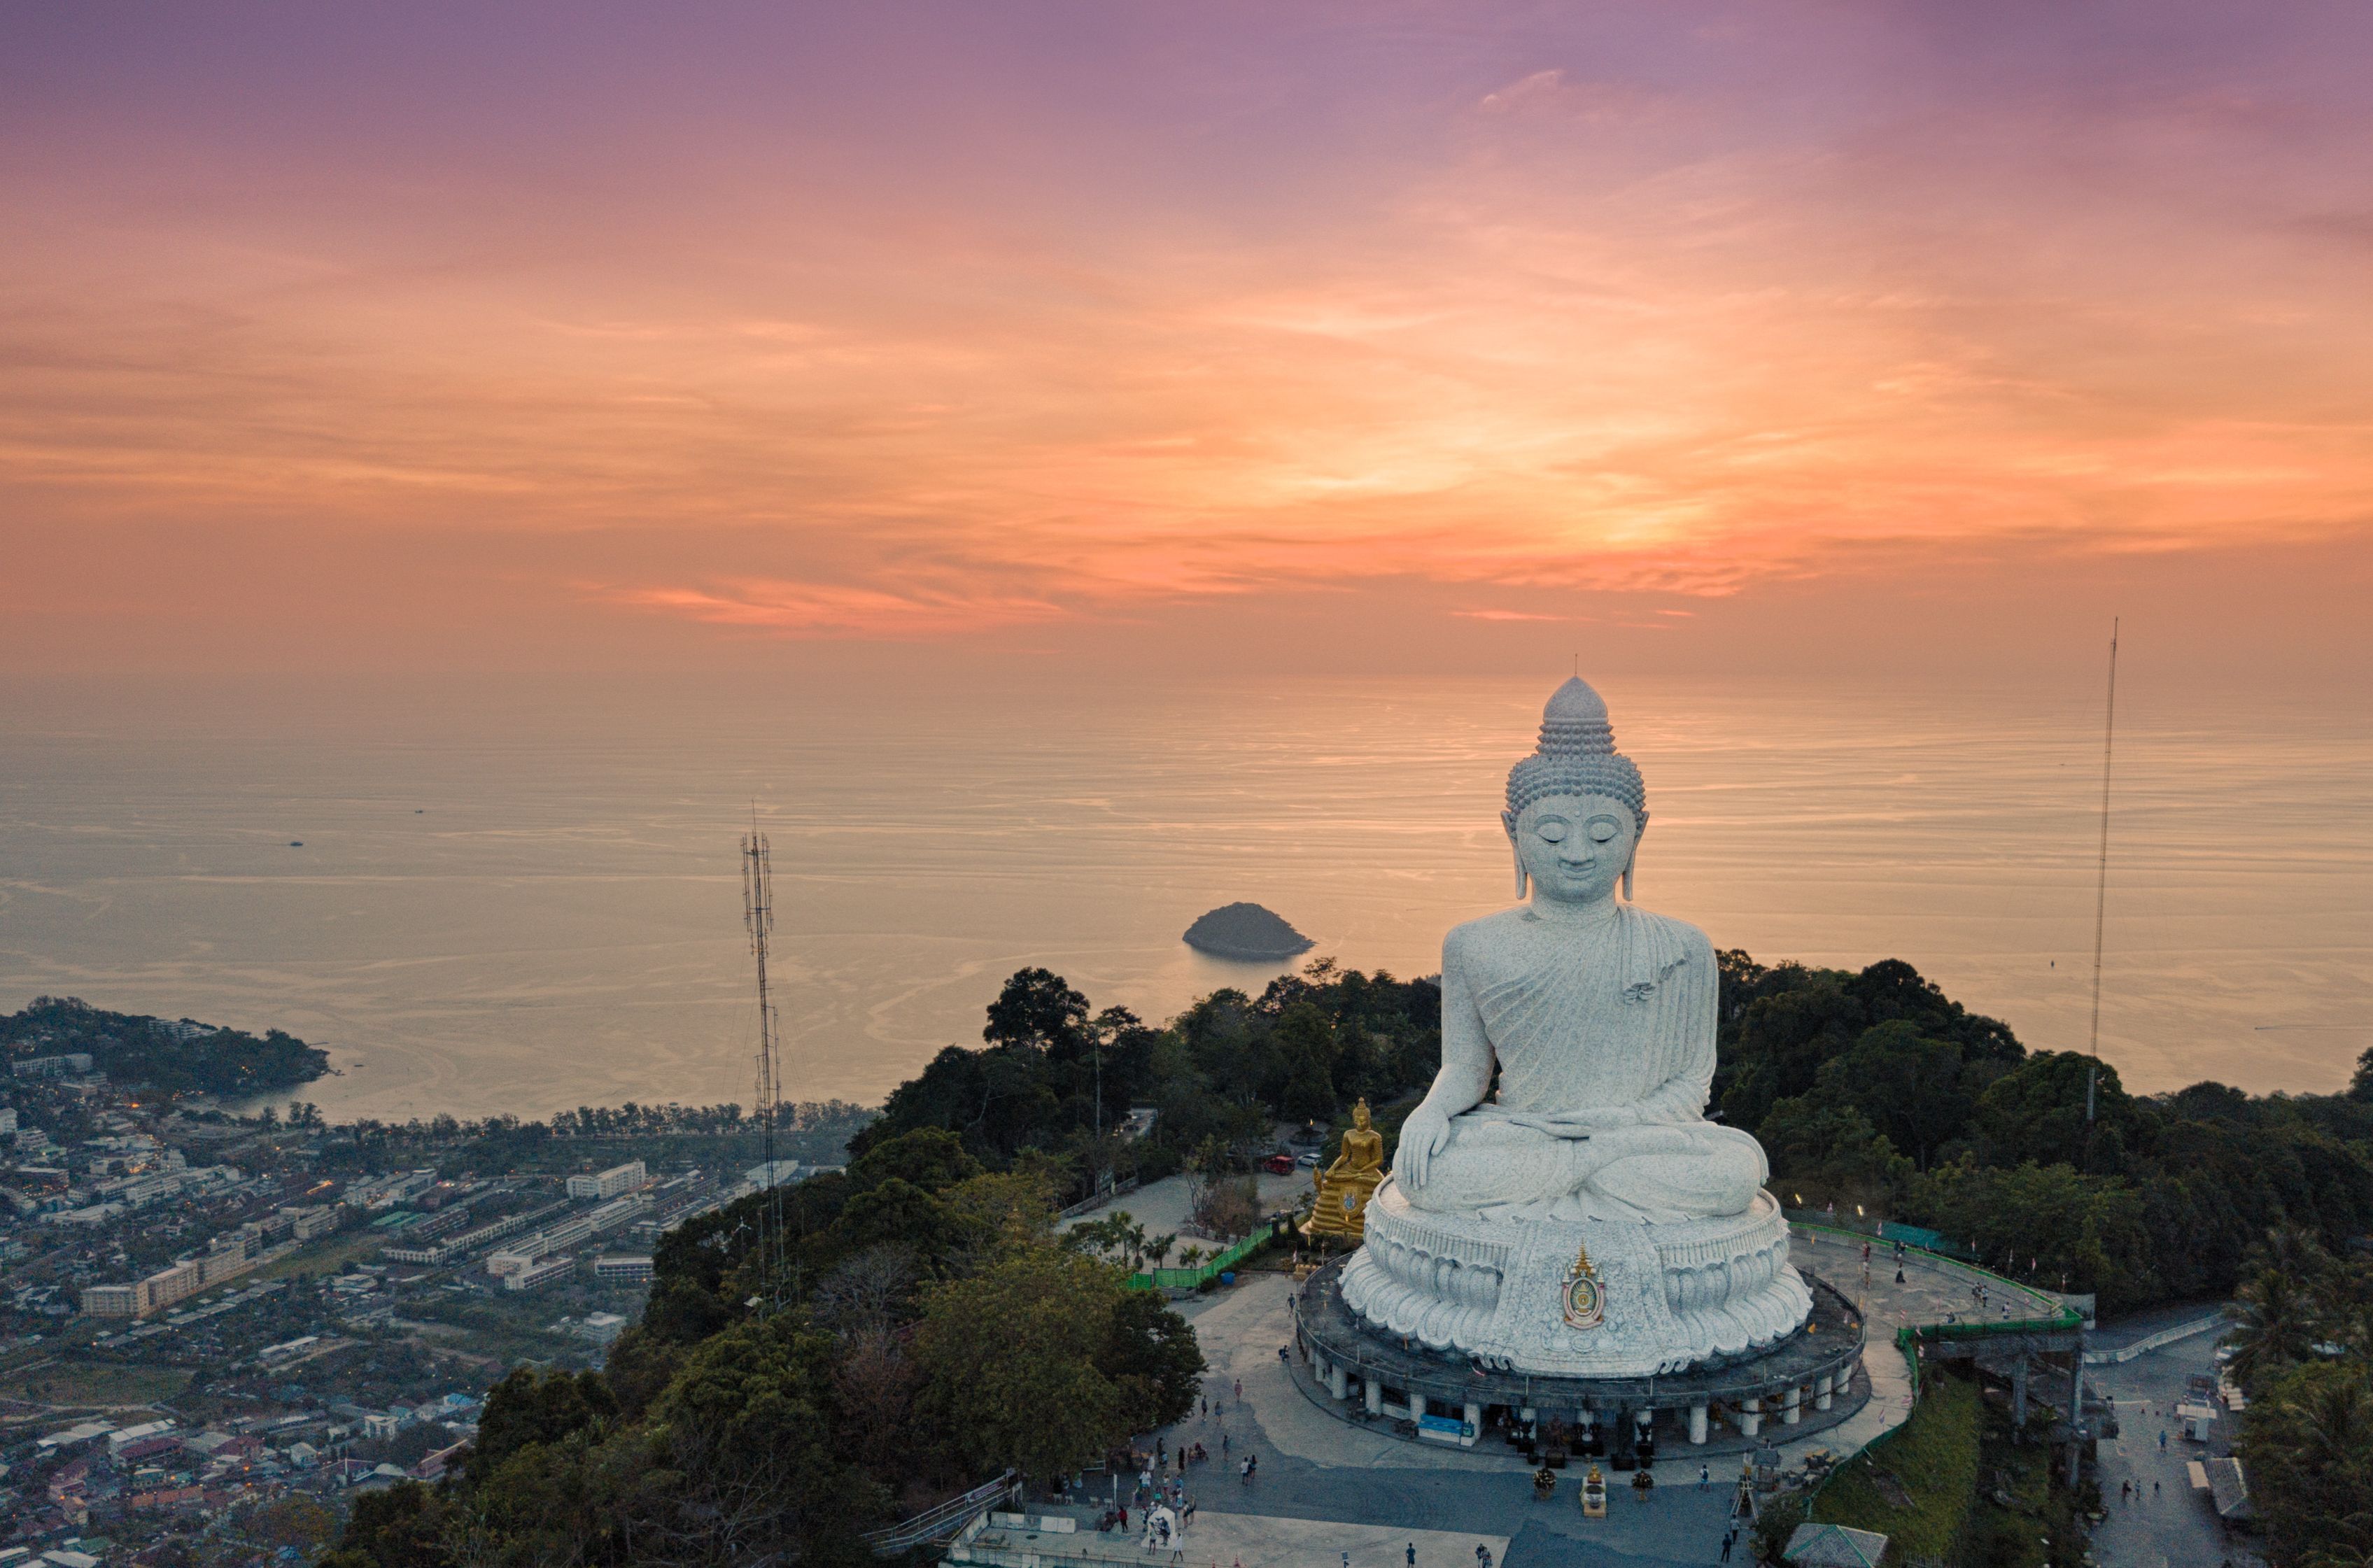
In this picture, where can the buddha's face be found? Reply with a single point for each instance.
(1574, 847)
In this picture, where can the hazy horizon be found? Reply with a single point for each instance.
(524, 896)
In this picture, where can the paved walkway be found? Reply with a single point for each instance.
(1326, 1472)
(1231, 1539)
(1932, 1287)
(1315, 1468)
(2173, 1527)
(1160, 1207)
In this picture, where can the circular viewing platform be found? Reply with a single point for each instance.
(1809, 1380)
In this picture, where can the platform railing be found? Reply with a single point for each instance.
(945, 1521)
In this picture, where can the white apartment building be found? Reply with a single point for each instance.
(539, 1273)
(609, 1183)
(112, 1301)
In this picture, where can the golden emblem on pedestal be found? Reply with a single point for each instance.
(1340, 1206)
(1585, 1303)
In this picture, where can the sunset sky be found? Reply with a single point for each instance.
(1456, 336)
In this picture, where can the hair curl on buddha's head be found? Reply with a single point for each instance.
(1577, 756)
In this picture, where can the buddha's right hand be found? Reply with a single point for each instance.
(1422, 1136)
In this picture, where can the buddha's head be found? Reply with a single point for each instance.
(1360, 1116)
(1576, 807)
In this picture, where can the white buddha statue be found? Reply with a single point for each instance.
(1599, 1016)
(1585, 1218)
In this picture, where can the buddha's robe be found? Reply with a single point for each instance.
(1602, 1028)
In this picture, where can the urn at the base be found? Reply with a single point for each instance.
(1578, 1298)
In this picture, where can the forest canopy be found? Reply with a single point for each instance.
(787, 1389)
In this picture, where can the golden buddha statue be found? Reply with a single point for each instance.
(1345, 1186)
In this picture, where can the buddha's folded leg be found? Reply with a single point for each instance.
(1720, 1172)
(1488, 1163)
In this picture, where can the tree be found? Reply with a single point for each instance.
(2360, 1087)
(2275, 1326)
(2036, 1112)
(750, 1427)
(529, 1407)
(1306, 1042)
(1009, 1361)
(928, 1157)
(1150, 1356)
(1037, 1010)
(1120, 1239)
(402, 1526)
(2308, 1445)
(1907, 1084)
(1834, 1152)
(305, 1523)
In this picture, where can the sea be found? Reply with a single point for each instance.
(523, 894)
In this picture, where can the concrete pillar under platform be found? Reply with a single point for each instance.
(1375, 1398)
(1474, 1424)
(2018, 1393)
(1750, 1418)
(1824, 1391)
(1792, 1407)
(1337, 1384)
(1697, 1424)
(1417, 1405)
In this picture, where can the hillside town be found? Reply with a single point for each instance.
(221, 1327)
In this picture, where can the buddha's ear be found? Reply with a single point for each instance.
(1631, 861)
(1523, 883)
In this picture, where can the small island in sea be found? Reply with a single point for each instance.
(1247, 931)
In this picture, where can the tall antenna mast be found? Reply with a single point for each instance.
(758, 918)
(2101, 882)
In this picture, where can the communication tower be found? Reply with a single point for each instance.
(2101, 886)
(759, 917)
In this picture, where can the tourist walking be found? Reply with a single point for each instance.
(1412, 1554)
(1705, 1477)
(1727, 1542)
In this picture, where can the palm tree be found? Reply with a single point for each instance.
(2275, 1326)
(2295, 1251)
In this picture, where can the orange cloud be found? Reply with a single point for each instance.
(1732, 306)
(802, 609)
